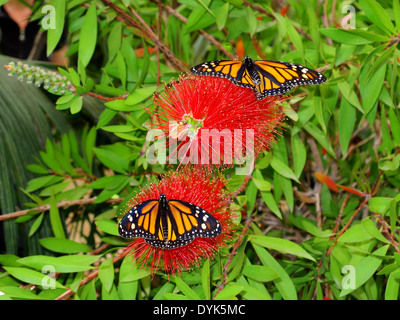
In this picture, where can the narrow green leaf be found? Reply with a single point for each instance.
(295, 37)
(392, 286)
(35, 225)
(19, 293)
(31, 276)
(68, 263)
(260, 273)
(374, 11)
(55, 219)
(299, 155)
(281, 245)
(186, 290)
(229, 291)
(221, 15)
(53, 22)
(284, 283)
(281, 168)
(64, 245)
(106, 274)
(371, 228)
(205, 279)
(88, 35)
(394, 126)
(347, 121)
(396, 13)
(108, 226)
(366, 269)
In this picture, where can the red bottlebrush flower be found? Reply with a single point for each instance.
(210, 120)
(203, 188)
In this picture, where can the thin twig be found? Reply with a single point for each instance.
(235, 247)
(91, 276)
(201, 31)
(59, 205)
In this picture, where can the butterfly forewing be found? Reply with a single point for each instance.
(142, 221)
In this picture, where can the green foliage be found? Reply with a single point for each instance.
(331, 236)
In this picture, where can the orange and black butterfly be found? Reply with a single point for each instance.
(265, 77)
(168, 224)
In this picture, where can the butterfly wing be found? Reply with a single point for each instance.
(187, 221)
(143, 221)
(278, 77)
(234, 71)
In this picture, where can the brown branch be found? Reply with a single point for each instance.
(59, 205)
(201, 31)
(91, 276)
(328, 253)
(149, 34)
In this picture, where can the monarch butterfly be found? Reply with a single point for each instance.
(265, 77)
(168, 224)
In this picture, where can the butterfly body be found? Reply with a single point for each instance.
(265, 77)
(168, 224)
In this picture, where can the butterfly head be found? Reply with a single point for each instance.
(163, 200)
(247, 61)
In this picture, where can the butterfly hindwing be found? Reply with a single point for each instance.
(168, 224)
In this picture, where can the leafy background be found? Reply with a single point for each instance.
(325, 196)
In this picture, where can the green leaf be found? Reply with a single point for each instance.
(371, 88)
(371, 228)
(281, 245)
(379, 17)
(295, 37)
(321, 137)
(205, 279)
(130, 271)
(19, 293)
(88, 35)
(281, 168)
(121, 69)
(221, 15)
(228, 292)
(355, 234)
(112, 160)
(31, 276)
(396, 13)
(366, 269)
(185, 289)
(379, 204)
(139, 95)
(284, 283)
(353, 37)
(106, 274)
(347, 121)
(63, 264)
(392, 286)
(76, 105)
(299, 155)
(108, 226)
(260, 273)
(35, 225)
(64, 245)
(55, 220)
(55, 32)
